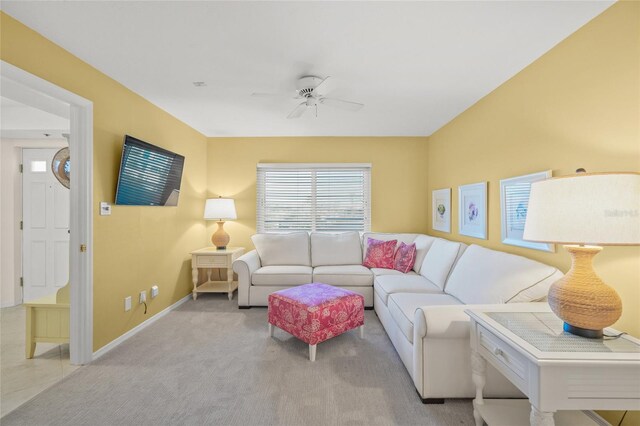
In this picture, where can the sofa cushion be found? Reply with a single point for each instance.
(385, 285)
(488, 276)
(282, 275)
(379, 253)
(283, 249)
(335, 248)
(423, 244)
(384, 271)
(405, 257)
(439, 260)
(402, 307)
(343, 275)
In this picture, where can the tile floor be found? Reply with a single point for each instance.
(20, 378)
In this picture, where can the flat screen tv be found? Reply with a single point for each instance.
(149, 175)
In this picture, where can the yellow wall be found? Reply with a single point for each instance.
(135, 247)
(576, 106)
(398, 175)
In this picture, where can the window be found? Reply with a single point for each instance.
(313, 197)
(38, 166)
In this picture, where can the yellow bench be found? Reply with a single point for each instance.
(47, 320)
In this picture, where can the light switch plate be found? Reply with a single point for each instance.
(105, 208)
(127, 303)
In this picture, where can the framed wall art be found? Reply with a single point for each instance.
(472, 210)
(514, 203)
(441, 210)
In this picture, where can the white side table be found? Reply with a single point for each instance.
(209, 258)
(557, 371)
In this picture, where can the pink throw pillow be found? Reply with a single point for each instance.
(380, 253)
(405, 257)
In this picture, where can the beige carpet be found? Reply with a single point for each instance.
(210, 363)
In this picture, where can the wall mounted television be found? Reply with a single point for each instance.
(149, 175)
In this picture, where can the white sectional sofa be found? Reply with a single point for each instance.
(422, 311)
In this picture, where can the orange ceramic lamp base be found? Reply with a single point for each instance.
(581, 299)
(220, 238)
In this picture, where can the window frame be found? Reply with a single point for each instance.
(314, 168)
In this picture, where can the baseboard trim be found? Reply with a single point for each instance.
(135, 330)
(596, 417)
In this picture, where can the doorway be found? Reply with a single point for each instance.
(31, 90)
(34, 208)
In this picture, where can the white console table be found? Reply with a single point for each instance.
(560, 373)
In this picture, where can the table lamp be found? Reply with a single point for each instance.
(584, 212)
(219, 209)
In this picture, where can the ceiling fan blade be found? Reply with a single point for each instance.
(339, 103)
(298, 111)
(268, 95)
(322, 87)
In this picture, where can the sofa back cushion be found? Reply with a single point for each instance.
(438, 261)
(283, 249)
(329, 249)
(487, 276)
(423, 244)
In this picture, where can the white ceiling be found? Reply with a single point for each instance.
(415, 65)
(19, 121)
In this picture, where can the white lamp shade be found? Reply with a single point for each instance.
(597, 208)
(220, 208)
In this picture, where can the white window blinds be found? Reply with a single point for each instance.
(313, 197)
(516, 205)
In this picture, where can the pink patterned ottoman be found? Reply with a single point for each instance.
(316, 312)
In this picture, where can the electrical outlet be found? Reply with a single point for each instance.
(143, 296)
(127, 303)
(154, 291)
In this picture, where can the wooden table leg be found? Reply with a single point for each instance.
(230, 281)
(194, 277)
(478, 374)
(541, 418)
(30, 345)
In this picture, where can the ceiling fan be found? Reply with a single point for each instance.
(312, 90)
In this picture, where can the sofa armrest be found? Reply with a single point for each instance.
(245, 266)
(441, 345)
(451, 322)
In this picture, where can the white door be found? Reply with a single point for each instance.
(45, 215)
